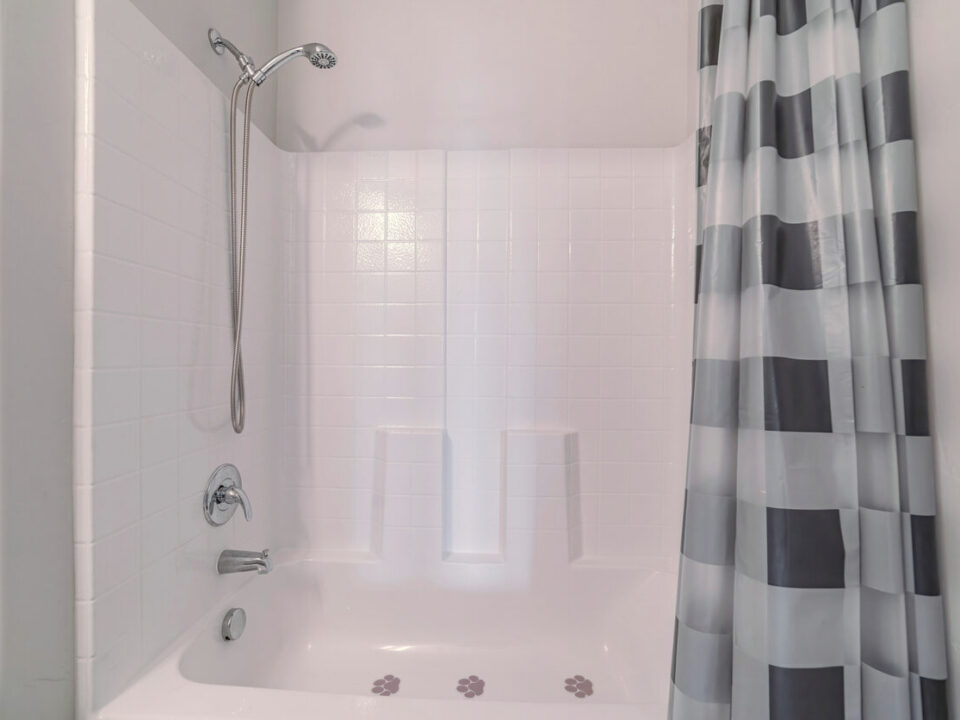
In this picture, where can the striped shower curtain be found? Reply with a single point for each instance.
(808, 583)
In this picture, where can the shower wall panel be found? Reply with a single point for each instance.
(153, 345)
(562, 310)
(486, 298)
(365, 323)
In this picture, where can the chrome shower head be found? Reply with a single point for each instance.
(318, 54)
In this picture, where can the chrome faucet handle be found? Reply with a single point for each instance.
(236, 496)
(224, 493)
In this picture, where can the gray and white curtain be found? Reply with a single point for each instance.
(808, 584)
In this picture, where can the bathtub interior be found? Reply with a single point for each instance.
(339, 627)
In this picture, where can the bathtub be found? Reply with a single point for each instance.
(365, 639)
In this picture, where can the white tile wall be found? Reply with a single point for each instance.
(410, 476)
(481, 292)
(364, 337)
(153, 345)
(561, 313)
(541, 485)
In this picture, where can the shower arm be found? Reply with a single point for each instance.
(248, 68)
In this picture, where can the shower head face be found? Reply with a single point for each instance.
(320, 56)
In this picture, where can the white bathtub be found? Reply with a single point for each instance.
(320, 633)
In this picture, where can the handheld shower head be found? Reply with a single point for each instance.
(319, 55)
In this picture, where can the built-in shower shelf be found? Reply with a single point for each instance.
(537, 506)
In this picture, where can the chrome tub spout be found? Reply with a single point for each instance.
(237, 561)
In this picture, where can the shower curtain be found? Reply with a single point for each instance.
(808, 582)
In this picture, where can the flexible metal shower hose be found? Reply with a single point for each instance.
(238, 247)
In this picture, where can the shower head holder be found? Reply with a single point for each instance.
(219, 44)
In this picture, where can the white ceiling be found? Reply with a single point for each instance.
(488, 74)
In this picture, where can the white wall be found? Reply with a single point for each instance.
(154, 346)
(250, 24)
(936, 113)
(36, 359)
(460, 74)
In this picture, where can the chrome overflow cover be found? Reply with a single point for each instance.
(224, 493)
(234, 623)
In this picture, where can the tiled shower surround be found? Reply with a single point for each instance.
(476, 294)
(447, 351)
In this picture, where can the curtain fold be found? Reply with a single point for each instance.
(808, 582)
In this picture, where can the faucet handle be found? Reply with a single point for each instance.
(224, 493)
(236, 496)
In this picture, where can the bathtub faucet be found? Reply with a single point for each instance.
(237, 561)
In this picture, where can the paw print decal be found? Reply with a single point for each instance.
(470, 686)
(579, 686)
(386, 686)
